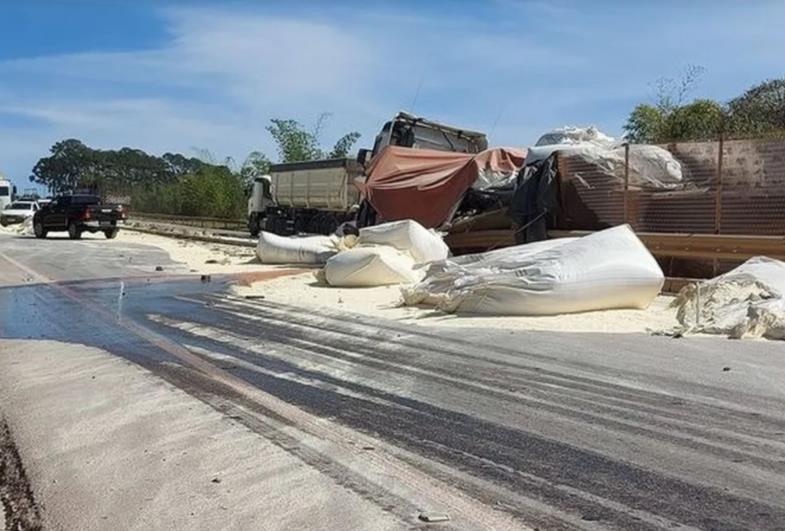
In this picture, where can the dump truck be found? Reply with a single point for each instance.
(318, 196)
(313, 197)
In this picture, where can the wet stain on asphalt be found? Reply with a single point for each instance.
(514, 459)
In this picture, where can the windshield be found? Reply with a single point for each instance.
(4, 191)
(550, 139)
(21, 206)
(84, 200)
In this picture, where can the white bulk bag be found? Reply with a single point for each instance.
(370, 266)
(605, 270)
(442, 275)
(274, 249)
(748, 301)
(409, 236)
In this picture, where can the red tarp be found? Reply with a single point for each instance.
(426, 185)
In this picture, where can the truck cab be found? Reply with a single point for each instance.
(408, 130)
(261, 197)
(7, 193)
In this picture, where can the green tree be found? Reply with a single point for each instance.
(699, 120)
(670, 118)
(344, 145)
(760, 110)
(644, 124)
(256, 164)
(70, 164)
(296, 144)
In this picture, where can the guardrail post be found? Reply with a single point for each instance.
(718, 198)
(626, 180)
(718, 191)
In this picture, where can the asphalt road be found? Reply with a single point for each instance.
(551, 430)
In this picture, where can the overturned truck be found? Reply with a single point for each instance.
(318, 196)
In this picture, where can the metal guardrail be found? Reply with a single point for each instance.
(193, 221)
(166, 231)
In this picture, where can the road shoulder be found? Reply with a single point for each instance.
(107, 444)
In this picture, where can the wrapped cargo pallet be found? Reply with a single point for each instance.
(371, 266)
(274, 249)
(408, 236)
(605, 270)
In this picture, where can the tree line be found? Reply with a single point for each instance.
(174, 183)
(759, 111)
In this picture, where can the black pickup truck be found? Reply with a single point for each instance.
(77, 214)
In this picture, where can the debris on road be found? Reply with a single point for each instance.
(432, 518)
(604, 270)
(371, 266)
(25, 228)
(408, 236)
(746, 302)
(274, 249)
(385, 302)
(385, 254)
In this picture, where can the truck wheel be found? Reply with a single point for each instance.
(111, 234)
(74, 232)
(3, 222)
(38, 230)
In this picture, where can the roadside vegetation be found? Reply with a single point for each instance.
(174, 183)
(759, 111)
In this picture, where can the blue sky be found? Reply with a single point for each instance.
(174, 76)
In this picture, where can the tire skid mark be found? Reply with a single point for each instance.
(464, 510)
(408, 338)
(715, 441)
(555, 464)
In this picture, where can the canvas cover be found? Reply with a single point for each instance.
(427, 185)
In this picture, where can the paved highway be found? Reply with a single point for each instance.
(506, 429)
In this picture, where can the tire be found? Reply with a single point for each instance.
(74, 232)
(3, 222)
(39, 230)
(111, 234)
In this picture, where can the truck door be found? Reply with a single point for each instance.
(57, 216)
(5, 194)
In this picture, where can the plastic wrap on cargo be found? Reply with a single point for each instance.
(442, 275)
(408, 236)
(371, 266)
(604, 270)
(274, 249)
(650, 166)
(748, 301)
